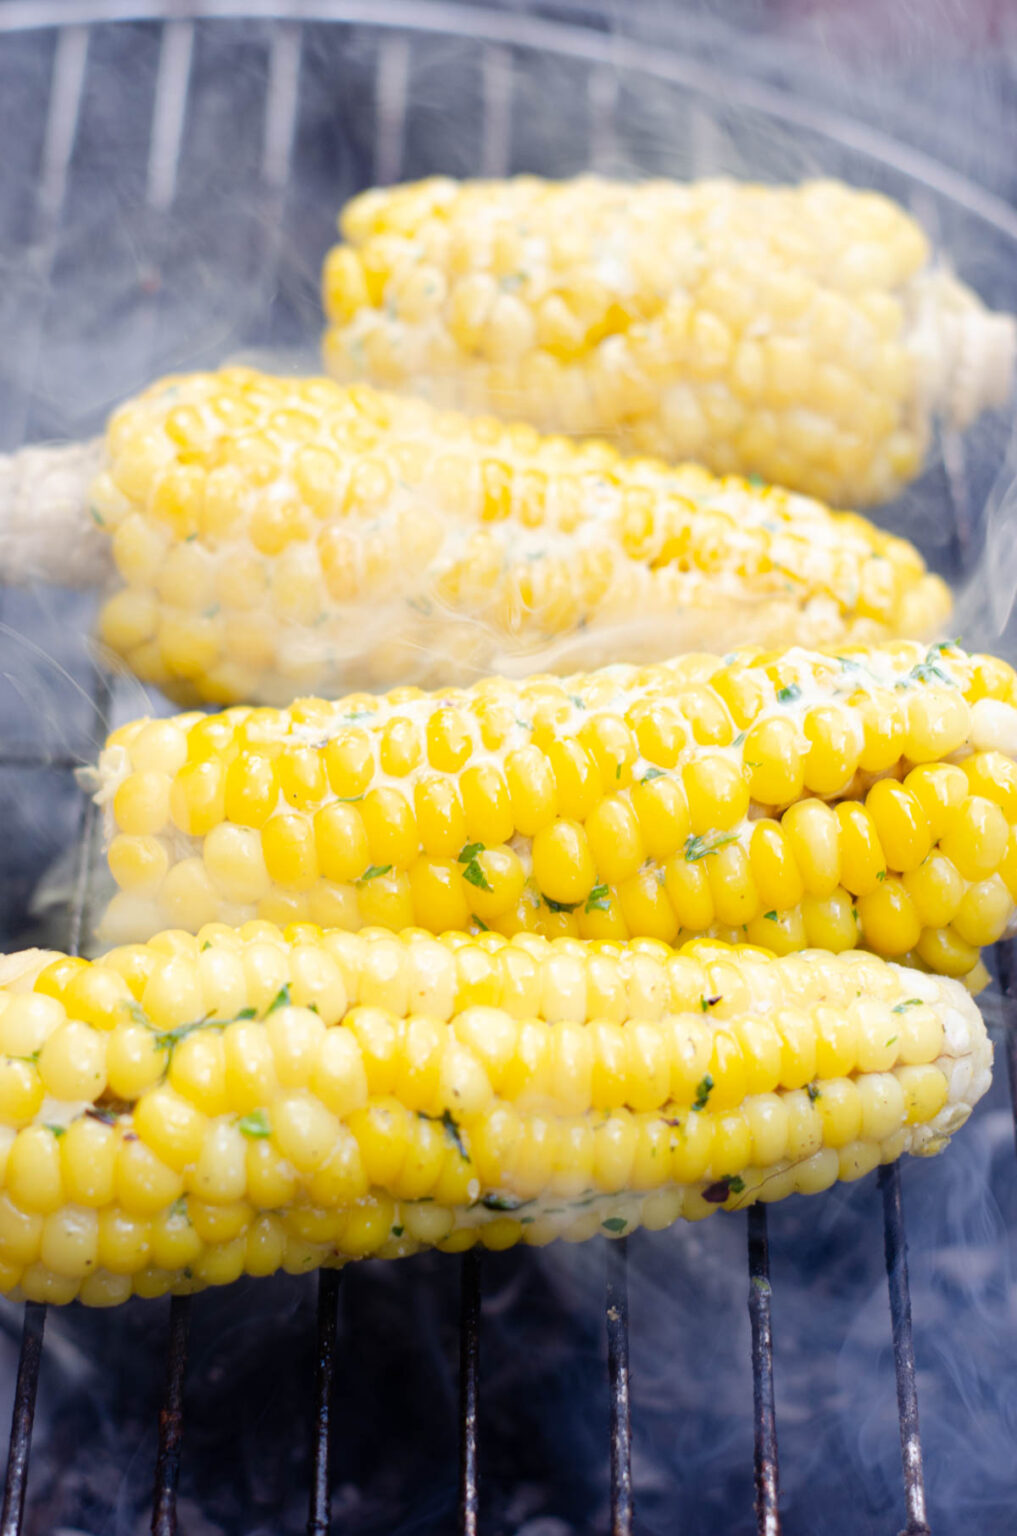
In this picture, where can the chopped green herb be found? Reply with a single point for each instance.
(911, 1002)
(736, 1184)
(179, 1208)
(617, 770)
(812, 1089)
(652, 773)
(703, 1090)
(739, 739)
(454, 1134)
(502, 1203)
(599, 899)
(577, 701)
(359, 714)
(281, 999)
(472, 873)
(892, 1041)
(97, 517)
(614, 1223)
(58, 1130)
(525, 725)
(255, 1125)
(756, 480)
(373, 871)
(398, 1231)
(701, 847)
(207, 945)
(771, 917)
(348, 799)
(880, 874)
(560, 906)
(789, 694)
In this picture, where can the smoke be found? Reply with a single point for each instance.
(151, 251)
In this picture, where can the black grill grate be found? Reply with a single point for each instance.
(495, 37)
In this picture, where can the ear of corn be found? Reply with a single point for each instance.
(282, 536)
(797, 332)
(795, 799)
(183, 1112)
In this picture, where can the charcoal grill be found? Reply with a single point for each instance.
(130, 251)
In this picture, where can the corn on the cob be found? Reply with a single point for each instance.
(278, 536)
(796, 799)
(798, 333)
(180, 1113)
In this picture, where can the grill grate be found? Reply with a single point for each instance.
(498, 36)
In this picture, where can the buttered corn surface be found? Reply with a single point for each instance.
(799, 333)
(796, 800)
(275, 536)
(183, 1112)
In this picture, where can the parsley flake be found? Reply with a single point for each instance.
(599, 899)
(373, 871)
(812, 1089)
(255, 1125)
(789, 694)
(911, 1002)
(281, 999)
(703, 1090)
(614, 1224)
(58, 1130)
(771, 917)
(496, 1202)
(701, 847)
(560, 906)
(472, 872)
(651, 774)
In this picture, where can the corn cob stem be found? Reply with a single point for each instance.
(46, 533)
(273, 537)
(794, 332)
(799, 799)
(179, 1113)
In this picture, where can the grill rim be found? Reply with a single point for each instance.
(502, 36)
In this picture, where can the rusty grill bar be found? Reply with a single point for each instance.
(169, 116)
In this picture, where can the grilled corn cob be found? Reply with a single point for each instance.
(798, 333)
(797, 799)
(183, 1112)
(278, 536)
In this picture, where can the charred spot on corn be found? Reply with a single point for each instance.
(723, 1189)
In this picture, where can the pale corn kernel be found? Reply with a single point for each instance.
(88, 1152)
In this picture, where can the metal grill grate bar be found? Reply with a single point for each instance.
(764, 1413)
(61, 128)
(319, 1516)
(616, 1312)
(171, 1422)
(1006, 952)
(903, 1351)
(602, 96)
(169, 112)
(281, 103)
(392, 82)
(497, 131)
(21, 1424)
(469, 1392)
